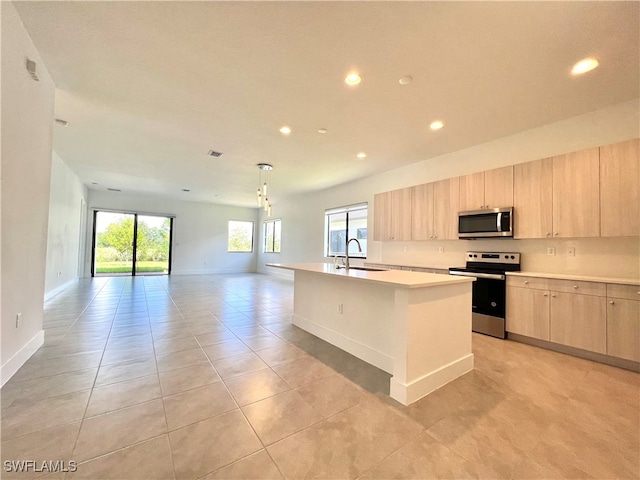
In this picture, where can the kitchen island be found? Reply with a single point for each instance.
(415, 326)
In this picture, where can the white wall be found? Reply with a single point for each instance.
(303, 216)
(67, 210)
(200, 231)
(27, 118)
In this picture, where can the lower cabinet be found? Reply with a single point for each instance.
(528, 312)
(592, 316)
(578, 321)
(623, 328)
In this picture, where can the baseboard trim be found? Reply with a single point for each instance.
(12, 365)
(349, 345)
(59, 289)
(577, 352)
(411, 392)
(212, 271)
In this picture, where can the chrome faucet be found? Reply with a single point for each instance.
(346, 264)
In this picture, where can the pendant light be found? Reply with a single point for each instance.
(263, 187)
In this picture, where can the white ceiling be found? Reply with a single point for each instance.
(150, 87)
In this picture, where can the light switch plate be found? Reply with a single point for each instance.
(440, 249)
(551, 250)
(571, 251)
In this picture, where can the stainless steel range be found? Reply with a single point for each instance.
(489, 289)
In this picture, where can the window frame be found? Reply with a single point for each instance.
(347, 209)
(253, 229)
(264, 240)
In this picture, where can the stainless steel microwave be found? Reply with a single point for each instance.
(494, 222)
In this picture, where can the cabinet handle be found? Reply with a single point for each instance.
(575, 287)
(545, 294)
(611, 302)
(548, 234)
(553, 295)
(556, 234)
(526, 282)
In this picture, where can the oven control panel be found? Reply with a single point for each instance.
(493, 257)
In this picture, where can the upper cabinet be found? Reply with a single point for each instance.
(489, 189)
(589, 193)
(619, 189)
(434, 210)
(576, 198)
(392, 215)
(422, 212)
(532, 199)
(446, 201)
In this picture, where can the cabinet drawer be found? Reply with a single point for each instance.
(528, 282)
(571, 286)
(630, 292)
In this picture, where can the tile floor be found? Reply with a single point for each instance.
(204, 377)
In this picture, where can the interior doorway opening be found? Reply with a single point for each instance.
(131, 244)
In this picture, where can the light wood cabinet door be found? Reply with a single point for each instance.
(528, 312)
(576, 194)
(472, 192)
(422, 212)
(498, 187)
(382, 216)
(578, 321)
(620, 189)
(532, 199)
(401, 214)
(623, 328)
(446, 199)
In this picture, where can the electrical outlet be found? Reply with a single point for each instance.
(571, 251)
(440, 249)
(405, 249)
(59, 274)
(551, 250)
(18, 320)
(340, 308)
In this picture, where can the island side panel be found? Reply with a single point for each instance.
(433, 339)
(364, 328)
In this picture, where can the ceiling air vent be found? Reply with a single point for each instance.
(213, 153)
(114, 189)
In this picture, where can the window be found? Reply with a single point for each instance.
(272, 235)
(346, 223)
(240, 236)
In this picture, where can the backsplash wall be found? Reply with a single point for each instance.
(608, 257)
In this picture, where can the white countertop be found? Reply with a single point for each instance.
(398, 278)
(583, 278)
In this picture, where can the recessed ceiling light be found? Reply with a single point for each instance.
(62, 123)
(94, 183)
(584, 66)
(362, 155)
(437, 125)
(406, 80)
(213, 153)
(322, 130)
(353, 79)
(285, 130)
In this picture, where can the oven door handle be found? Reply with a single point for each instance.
(492, 276)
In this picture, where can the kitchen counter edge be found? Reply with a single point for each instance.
(583, 278)
(397, 278)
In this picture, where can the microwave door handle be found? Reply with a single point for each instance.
(499, 222)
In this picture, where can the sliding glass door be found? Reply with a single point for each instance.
(131, 244)
(153, 245)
